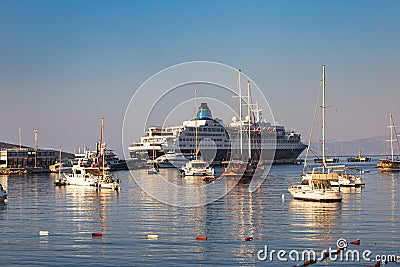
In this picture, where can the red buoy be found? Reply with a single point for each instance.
(377, 264)
(249, 238)
(201, 237)
(97, 234)
(357, 242)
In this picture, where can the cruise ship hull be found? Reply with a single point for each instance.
(282, 156)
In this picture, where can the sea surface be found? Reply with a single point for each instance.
(269, 215)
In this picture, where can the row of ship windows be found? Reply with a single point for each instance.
(202, 129)
(193, 139)
(205, 134)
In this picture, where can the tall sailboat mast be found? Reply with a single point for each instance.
(240, 113)
(323, 117)
(391, 135)
(102, 145)
(249, 114)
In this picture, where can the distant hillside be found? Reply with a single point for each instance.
(64, 154)
(368, 146)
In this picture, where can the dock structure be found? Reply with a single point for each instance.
(20, 158)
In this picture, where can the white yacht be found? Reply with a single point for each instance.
(316, 187)
(174, 160)
(81, 175)
(197, 167)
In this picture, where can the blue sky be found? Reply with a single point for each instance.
(64, 64)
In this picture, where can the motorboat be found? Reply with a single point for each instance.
(173, 160)
(81, 175)
(347, 177)
(197, 167)
(316, 186)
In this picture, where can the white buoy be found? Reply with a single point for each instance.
(283, 197)
(43, 232)
(5, 201)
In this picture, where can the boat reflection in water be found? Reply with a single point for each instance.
(88, 207)
(315, 222)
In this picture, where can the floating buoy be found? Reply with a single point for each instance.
(249, 238)
(43, 232)
(97, 234)
(283, 197)
(5, 201)
(152, 236)
(377, 264)
(357, 242)
(201, 237)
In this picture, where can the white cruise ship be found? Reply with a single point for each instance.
(213, 139)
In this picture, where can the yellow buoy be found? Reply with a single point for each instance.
(152, 236)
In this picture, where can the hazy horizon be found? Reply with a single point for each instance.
(65, 64)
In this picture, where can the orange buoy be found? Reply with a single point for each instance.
(357, 242)
(97, 234)
(249, 238)
(201, 237)
(152, 236)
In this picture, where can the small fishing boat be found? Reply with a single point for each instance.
(60, 180)
(390, 164)
(358, 158)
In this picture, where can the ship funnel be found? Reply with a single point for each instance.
(204, 112)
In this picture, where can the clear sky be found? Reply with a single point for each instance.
(64, 64)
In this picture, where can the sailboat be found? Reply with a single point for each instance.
(315, 185)
(237, 167)
(197, 166)
(60, 180)
(153, 169)
(390, 164)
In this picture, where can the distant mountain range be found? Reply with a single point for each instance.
(368, 146)
(64, 154)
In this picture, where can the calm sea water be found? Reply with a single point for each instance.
(125, 218)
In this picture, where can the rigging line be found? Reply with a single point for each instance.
(395, 132)
(311, 132)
